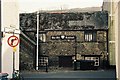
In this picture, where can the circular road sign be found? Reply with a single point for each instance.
(13, 41)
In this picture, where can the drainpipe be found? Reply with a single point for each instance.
(37, 40)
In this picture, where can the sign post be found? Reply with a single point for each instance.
(13, 64)
(13, 41)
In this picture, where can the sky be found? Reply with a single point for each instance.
(34, 5)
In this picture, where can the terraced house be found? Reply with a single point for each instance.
(65, 38)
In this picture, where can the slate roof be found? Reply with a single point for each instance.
(65, 21)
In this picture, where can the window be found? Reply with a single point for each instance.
(42, 37)
(96, 59)
(43, 61)
(90, 36)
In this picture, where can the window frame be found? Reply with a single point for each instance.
(90, 36)
(42, 37)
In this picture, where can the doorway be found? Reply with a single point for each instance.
(65, 61)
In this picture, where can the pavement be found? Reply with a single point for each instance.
(71, 75)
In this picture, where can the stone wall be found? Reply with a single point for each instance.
(67, 47)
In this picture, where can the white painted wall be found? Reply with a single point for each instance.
(10, 17)
(117, 37)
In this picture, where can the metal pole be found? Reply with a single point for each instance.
(37, 40)
(75, 63)
(75, 48)
(13, 61)
(13, 64)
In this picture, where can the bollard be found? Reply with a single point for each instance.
(75, 65)
(46, 67)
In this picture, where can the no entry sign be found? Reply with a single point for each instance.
(13, 41)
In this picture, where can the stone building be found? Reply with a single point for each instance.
(68, 37)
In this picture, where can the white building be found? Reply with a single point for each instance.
(9, 23)
(113, 6)
(116, 15)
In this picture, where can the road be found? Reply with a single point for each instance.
(71, 75)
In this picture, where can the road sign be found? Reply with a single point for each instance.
(13, 41)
